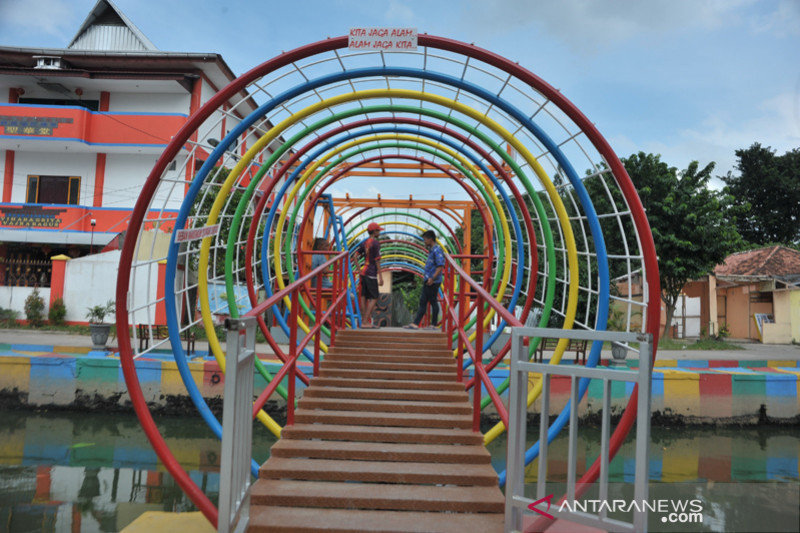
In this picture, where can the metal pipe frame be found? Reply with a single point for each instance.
(520, 369)
(237, 427)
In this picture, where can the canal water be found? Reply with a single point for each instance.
(87, 472)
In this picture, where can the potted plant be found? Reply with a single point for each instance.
(617, 322)
(97, 326)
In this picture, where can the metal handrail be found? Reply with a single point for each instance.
(236, 453)
(335, 314)
(457, 323)
(237, 428)
(520, 368)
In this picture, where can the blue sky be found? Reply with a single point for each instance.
(688, 79)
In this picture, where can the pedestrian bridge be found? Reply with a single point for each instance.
(541, 228)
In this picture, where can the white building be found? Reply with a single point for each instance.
(81, 131)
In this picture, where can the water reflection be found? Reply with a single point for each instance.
(70, 472)
(680, 454)
(82, 472)
(745, 479)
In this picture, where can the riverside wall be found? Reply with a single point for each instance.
(720, 392)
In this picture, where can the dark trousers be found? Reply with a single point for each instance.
(428, 295)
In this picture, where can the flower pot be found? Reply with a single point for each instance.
(99, 334)
(618, 352)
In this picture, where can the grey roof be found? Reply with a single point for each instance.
(107, 28)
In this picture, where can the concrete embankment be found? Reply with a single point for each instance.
(755, 385)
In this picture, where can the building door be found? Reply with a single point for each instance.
(687, 317)
(722, 312)
(691, 317)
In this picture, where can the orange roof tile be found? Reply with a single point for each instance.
(770, 261)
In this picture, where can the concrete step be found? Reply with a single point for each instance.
(441, 366)
(363, 433)
(378, 472)
(276, 519)
(380, 348)
(386, 406)
(363, 393)
(344, 355)
(377, 496)
(424, 420)
(366, 376)
(438, 344)
(406, 340)
(408, 336)
(394, 383)
(381, 451)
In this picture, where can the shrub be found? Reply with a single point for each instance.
(34, 308)
(57, 312)
(8, 317)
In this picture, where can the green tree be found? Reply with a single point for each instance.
(690, 228)
(476, 241)
(202, 208)
(767, 194)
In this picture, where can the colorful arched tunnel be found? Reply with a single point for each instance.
(227, 216)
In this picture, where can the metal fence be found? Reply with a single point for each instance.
(237, 426)
(516, 502)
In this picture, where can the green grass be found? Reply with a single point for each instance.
(700, 344)
(75, 329)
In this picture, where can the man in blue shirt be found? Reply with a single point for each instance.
(432, 281)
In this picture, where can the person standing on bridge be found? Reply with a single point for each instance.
(432, 281)
(317, 260)
(370, 275)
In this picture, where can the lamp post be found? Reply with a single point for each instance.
(93, 222)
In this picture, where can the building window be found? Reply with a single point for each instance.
(53, 190)
(92, 105)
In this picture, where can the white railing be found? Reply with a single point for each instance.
(237, 426)
(516, 502)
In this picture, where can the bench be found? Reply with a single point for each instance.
(159, 333)
(550, 344)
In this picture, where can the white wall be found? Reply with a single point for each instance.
(120, 102)
(90, 281)
(54, 164)
(212, 126)
(14, 298)
(125, 175)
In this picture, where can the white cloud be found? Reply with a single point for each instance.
(339, 193)
(51, 17)
(783, 21)
(717, 137)
(588, 25)
(399, 13)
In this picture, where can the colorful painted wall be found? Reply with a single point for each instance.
(698, 391)
(69, 377)
(702, 391)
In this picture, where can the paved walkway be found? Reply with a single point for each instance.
(751, 350)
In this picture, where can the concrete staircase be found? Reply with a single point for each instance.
(382, 441)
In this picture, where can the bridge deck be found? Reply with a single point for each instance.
(382, 441)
